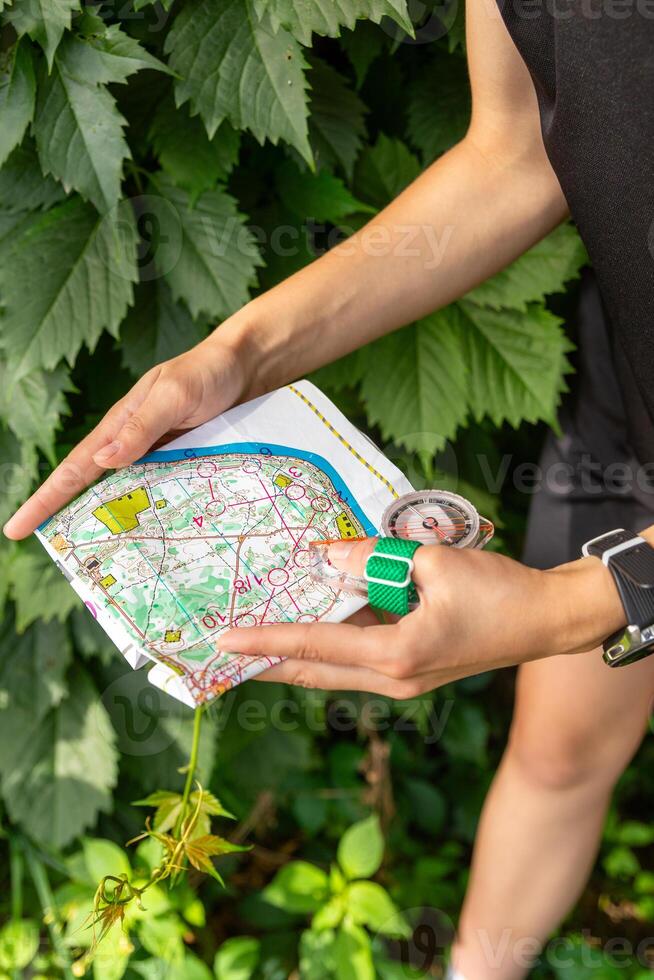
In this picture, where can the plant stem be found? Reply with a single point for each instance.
(17, 866)
(192, 766)
(50, 912)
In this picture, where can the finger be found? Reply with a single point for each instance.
(79, 469)
(351, 556)
(159, 412)
(331, 677)
(340, 643)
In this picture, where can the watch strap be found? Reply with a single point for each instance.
(388, 573)
(630, 559)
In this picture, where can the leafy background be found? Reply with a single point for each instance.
(159, 165)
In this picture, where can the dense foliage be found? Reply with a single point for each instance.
(159, 163)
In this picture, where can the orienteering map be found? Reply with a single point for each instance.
(190, 541)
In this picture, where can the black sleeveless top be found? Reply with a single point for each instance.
(592, 62)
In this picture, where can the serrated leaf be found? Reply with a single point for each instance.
(19, 469)
(186, 153)
(111, 56)
(17, 96)
(214, 42)
(23, 186)
(156, 328)
(67, 277)
(207, 255)
(327, 17)
(33, 573)
(384, 170)
(545, 268)
(336, 123)
(79, 134)
(415, 385)
(33, 405)
(361, 848)
(320, 196)
(33, 668)
(78, 129)
(516, 362)
(347, 372)
(44, 20)
(58, 771)
(439, 104)
(362, 46)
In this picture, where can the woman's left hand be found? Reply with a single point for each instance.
(478, 610)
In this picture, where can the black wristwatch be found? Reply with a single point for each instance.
(630, 559)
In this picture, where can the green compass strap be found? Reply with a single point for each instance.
(388, 573)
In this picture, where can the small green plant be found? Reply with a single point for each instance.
(348, 912)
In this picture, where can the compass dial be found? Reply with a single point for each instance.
(432, 517)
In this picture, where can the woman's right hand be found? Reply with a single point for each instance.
(172, 397)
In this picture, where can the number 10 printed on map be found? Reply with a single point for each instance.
(212, 532)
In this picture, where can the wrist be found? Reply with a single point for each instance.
(587, 603)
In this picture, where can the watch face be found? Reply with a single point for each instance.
(432, 517)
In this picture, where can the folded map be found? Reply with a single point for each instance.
(212, 532)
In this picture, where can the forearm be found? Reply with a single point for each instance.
(468, 216)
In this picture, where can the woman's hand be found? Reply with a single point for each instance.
(478, 610)
(176, 395)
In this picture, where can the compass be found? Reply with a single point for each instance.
(436, 517)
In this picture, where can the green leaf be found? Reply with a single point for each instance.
(18, 461)
(156, 328)
(415, 385)
(44, 20)
(78, 129)
(103, 857)
(17, 96)
(317, 954)
(362, 46)
(186, 153)
(298, 887)
(439, 106)
(384, 170)
(544, 269)
(23, 186)
(33, 405)
(19, 944)
(33, 573)
(67, 277)
(111, 56)
(466, 733)
(32, 669)
(58, 772)
(237, 958)
(111, 957)
(337, 124)
(516, 362)
(370, 905)
(327, 17)
(316, 195)
(361, 848)
(206, 254)
(214, 42)
(353, 954)
(347, 372)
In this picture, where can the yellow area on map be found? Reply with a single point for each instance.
(173, 636)
(160, 504)
(107, 581)
(121, 513)
(282, 480)
(345, 526)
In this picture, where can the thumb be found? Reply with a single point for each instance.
(157, 414)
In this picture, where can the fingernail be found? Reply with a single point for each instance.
(340, 550)
(105, 454)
